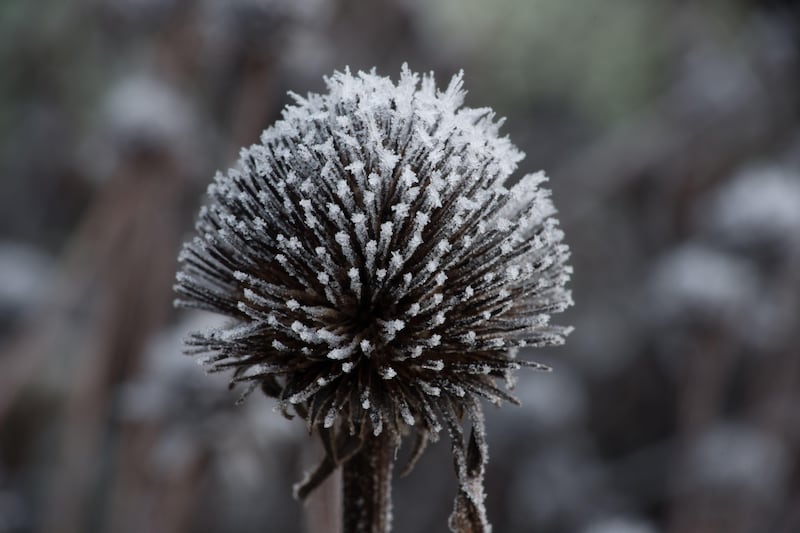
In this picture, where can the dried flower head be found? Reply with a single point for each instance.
(380, 275)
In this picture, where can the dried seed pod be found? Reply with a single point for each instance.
(379, 273)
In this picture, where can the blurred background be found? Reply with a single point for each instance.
(669, 129)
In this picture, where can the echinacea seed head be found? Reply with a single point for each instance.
(383, 262)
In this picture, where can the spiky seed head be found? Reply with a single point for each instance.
(378, 265)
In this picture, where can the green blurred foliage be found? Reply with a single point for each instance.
(609, 59)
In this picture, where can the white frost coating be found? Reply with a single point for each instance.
(503, 224)
(238, 332)
(429, 389)
(251, 295)
(371, 248)
(340, 353)
(385, 237)
(391, 327)
(374, 181)
(405, 413)
(377, 423)
(400, 211)
(278, 345)
(470, 337)
(387, 372)
(408, 178)
(257, 370)
(330, 418)
(329, 337)
(413, 243)
(334, 211)
(436, 365)
(374, 228)
(355, 281)
(396, 261)
(359, 222)
(343, 239)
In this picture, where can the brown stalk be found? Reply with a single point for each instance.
(366, 487)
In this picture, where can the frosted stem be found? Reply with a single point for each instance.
(366, 479)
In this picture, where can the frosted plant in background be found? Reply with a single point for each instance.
(26, 273)
(697, 284)
(142, 108)
(562, 484)
(380, 277)
(760, 206)
(142, 113)
(620, 524)
(738, 460)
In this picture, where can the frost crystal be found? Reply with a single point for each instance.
(384, 267)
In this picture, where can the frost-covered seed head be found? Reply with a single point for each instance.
(373, 246)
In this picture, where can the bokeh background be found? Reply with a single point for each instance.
(670, 131)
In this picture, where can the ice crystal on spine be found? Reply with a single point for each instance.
(380, 269)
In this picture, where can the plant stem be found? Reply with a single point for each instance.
(366, 488)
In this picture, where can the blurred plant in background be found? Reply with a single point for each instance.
(552, 54)
(670, 131)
